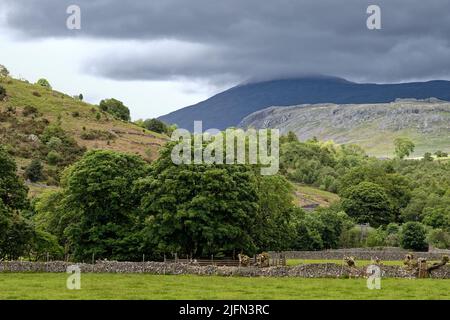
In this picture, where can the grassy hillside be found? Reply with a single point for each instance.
(28, 110)
(306, 196)
(372, 126)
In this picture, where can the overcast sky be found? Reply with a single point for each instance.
(160, 55)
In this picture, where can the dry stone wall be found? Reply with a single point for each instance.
(325, 270)
(385, 254)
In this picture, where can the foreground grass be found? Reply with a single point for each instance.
(144, 286)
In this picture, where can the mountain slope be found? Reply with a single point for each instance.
(372, 126)
(228, 108)
(28, 110)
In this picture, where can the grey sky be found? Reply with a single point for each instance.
(160, 55)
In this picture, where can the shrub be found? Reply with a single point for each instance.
(413, 236)
(427, 157)
(53, 157)
(441, 154)
(2, 93)
(3, 71)
(116, 108)
(54, 143)
(439, 238)
(34, 171)
(93, 134)
(29, 110)
(44, 83)
(155, 125)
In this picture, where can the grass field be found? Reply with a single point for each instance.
(307, 195)
(142, 286)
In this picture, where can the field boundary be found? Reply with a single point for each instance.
(322, 270)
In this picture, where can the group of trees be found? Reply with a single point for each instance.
(116, 206)
(378, 192)
(18, 235)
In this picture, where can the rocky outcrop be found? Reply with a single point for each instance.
(360, 123)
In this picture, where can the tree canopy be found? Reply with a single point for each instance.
(116, 108)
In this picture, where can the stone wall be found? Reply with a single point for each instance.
(325, 270)
(385, 254)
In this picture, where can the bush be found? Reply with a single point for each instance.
(97, 135)
(53, 157)
(413, 236)
(155, 125)
(44, 83)
(116, 108)
(54, 143)
(439, 238)
(3, 71)
(441, 154)
(2, 93)
(29, 110)
(34, 171)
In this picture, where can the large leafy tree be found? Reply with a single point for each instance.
(102, 218)
(199, 209)
(15, 232)
(116, 108)
(204, 209)
(403, 147)
(367, 202)
(413, 236)
(13, 191)
(156, 125)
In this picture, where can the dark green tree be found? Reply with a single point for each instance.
(15, 231)
(199, 209)
(367, 202)
(413, 236)
(2, 93)
(34, 171)
(116, 108)
(155, 125)
(101, 209)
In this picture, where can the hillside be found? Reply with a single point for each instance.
(29, 111)
(372, 126)
(228, 108)
(309, 198)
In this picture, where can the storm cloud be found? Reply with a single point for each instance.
(238, 40)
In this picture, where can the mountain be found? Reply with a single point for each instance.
(228, 108)
(29, 110)
(372, 126)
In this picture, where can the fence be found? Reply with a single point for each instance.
(275, 260)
